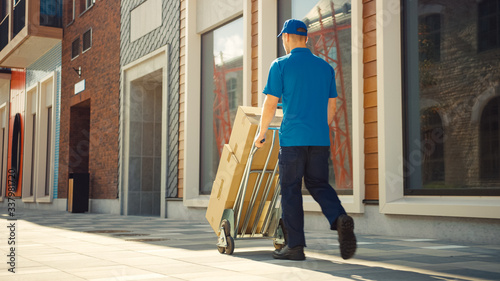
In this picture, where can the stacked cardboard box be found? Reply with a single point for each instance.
(243, 133)
(232, 164)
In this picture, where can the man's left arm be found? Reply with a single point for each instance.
(268, 111)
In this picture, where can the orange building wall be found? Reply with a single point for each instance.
(370, 99)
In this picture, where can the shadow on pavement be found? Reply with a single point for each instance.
(340, 270)
(198, 236)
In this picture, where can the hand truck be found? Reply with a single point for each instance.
(272, 226)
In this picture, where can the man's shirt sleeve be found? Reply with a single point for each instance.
(333, 86)
(274, 84)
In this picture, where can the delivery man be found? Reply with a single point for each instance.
(306, 85)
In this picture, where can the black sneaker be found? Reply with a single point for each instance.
(296, 253)
(347, 239)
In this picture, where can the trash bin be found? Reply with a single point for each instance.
(78, 193)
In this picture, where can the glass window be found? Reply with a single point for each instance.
(433, 166)
(221, 94)
(231, 86)
(85, 5)
(18, 16)
(488, 24)
(490, 142)
(87, 40)
(329, 37)
(430, 37)
(69, 8)
(3, 9)
(4, 24)
(145, 144)
(450, 105)
(51, 13)
(75, 48)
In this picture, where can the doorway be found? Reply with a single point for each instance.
(79, 138)
(145, 145)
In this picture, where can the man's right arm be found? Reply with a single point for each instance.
(268, 111)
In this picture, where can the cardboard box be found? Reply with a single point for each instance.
(252, 182)
(255, 208)
(243, 133)
(232, 164)
(225, 190)
(225, 187)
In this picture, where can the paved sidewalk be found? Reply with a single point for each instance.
(64, 246)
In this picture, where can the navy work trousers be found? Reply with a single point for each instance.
(310, 162)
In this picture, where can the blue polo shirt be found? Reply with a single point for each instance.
(305, 82)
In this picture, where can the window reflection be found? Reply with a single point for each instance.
(488, 24)
(221, 94)
(452, 53)
(490, 141)
(329, 35)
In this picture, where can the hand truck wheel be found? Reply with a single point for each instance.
(229, 249)
(222, 250)
(227, 227)
(230, 245)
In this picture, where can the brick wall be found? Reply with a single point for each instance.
(370, 99)
(101, 71)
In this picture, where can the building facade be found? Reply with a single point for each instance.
(416, 131)
(90, 99)
(41, 129)
(148, 92)
(30, 57)
(5, 78)
(149, 108)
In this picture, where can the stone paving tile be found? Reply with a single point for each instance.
(116, 273)
(223, 275)
(64, 265)
(44, 276)
(478, 265)
(433, 252)
(25, 270)
(135, 261)
(58, 246)
(176, 268)
(473, 274)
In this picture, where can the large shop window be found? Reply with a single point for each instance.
(451, 98)
(329, 37)
(221, 94)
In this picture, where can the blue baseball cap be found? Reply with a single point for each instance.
(290, 26)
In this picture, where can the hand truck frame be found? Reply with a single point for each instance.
(272, 226)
